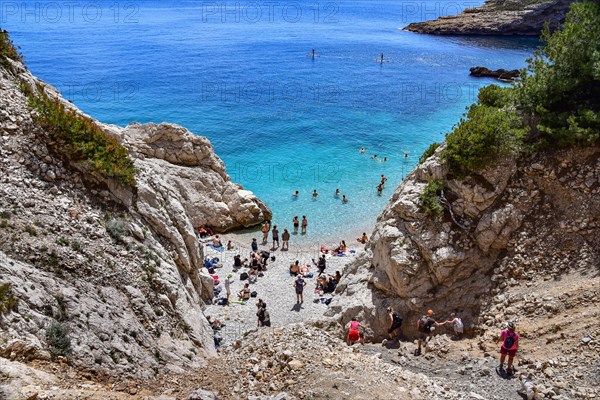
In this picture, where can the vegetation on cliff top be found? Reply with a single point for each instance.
(86, 141)
(8, 49)
(556, 104)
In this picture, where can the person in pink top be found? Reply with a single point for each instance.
(353, 332)
(510, 344)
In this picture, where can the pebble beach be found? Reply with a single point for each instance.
(275, 287)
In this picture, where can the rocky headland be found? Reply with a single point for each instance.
(104, 274)
(499, 17)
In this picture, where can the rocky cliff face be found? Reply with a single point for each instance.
(499, 17)
(115, 269)
(513, 223)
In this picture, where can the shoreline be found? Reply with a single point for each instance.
(309, 243)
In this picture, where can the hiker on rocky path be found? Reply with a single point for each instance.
(510, 344)
(395, 320)
(426, 326)
(299, 284)
(354, 332)
(457, 325)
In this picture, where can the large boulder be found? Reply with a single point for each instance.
(512, 221)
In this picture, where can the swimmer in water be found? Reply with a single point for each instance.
(344, 199)
(295, 194)
(379, 189)
(381, 58)
(405, 155)
(384, 159)
(374, 157)
(362, 150)
(337, 192)
(315, 194)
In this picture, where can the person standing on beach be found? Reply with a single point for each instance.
(296, 223)
(227, 283)
(299, 284)
(265, 230)
(275, 233)
(254, 245)
(304, 223)
(285, 236)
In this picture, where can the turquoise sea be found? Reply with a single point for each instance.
(238, 73)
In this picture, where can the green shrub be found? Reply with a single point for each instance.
(59, 342)
(116, 227)
(7, 299)
(430, 198)
(485, 134)
(560, 89)
(31, 230)
(86, 142)
(429, 152)
(495, 96)
(8, 49)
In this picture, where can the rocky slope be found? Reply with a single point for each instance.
(499, 17)
(509, 238)
(116, 269)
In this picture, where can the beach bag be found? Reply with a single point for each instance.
(253, 294)
(222, 301)
(243, 276)
(272, 258)
(509, 341)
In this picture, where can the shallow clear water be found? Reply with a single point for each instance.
(280, 120)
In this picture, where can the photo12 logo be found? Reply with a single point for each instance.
(418, 11)
(69, 11)
(266, 92)
(269, 12)
(100, 91)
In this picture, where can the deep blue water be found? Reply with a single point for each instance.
(280, 120)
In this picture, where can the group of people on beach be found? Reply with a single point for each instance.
(324, 283)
